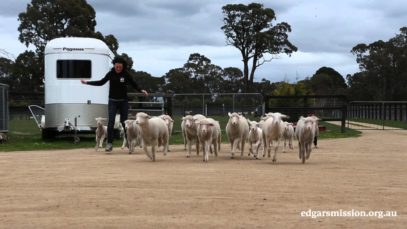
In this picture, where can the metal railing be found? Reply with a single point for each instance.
(218, 103)
(377, 115)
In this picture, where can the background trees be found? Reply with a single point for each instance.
(249, 28)
(383, 68)
(327, 81)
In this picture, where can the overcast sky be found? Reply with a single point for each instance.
(160, 34)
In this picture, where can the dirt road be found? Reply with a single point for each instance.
(88, 189)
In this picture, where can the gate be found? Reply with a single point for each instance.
(218, 104)
(153, 104)
(325, 107)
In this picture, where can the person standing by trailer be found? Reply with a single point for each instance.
(118, 78)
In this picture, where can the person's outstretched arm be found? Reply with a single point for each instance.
(135, 85)
(96, 82)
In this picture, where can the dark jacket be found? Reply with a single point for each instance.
(118, 84)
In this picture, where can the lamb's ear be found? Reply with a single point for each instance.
(285, 116)
(230, 114)
(197, 122)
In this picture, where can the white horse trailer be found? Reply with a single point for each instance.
(70, 105)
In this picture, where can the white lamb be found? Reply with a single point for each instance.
(184, 135)
(288, 135)
(101, 132)
(169, 122)
(209, 134)
(255, 139)
(237, 130)
(154, 132)
(133, 133)
(191, 131)
(305, 133)
(273, 132)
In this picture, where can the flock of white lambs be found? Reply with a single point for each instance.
(262, 136)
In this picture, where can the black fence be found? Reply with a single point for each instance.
(378, 110)
(376, 113)
(325, 107)
(218, 104)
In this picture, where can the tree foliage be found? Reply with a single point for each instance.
(198, 75)
(26, 72)
(383, 68)
(249, 28)
(45, 20)
(327, 81)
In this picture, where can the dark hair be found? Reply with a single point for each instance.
(121, 60)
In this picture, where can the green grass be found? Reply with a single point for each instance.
(334, 131)
(389, 123)
(24, 135)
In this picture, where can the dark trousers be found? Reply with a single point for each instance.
(116, 105)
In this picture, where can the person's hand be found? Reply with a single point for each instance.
(83, 81)
(145, 93)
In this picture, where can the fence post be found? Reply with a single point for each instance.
(168, 104)
(383, 114)
(343, 121)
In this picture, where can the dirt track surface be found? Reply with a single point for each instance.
(88, 189)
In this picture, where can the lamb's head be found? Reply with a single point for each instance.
(309, 123)
(205, 126)
(277, 117)
(128, 123)
(142, 118)
(100, 121)
(253, 125)
(167, 119)
(189, 121)
(234, 118)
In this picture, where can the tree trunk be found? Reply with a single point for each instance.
(254, 66)
(246, 73)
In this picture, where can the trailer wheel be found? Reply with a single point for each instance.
(76, 139)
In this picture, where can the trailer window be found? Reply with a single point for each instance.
(67, 69)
